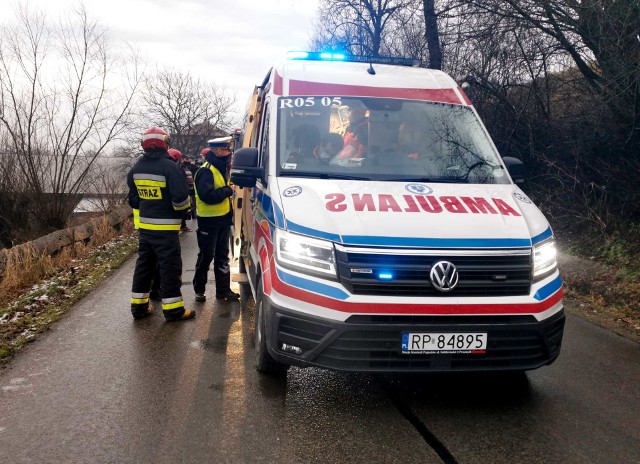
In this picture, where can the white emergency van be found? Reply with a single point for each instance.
(381, 229)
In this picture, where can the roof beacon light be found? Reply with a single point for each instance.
(337, 56)
(297, 55)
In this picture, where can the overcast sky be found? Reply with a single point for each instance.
(232, 43)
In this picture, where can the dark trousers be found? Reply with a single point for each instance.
(214, 246)
(162, 252)
(155, 282)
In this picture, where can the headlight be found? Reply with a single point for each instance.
(305, 253)
(544, 259)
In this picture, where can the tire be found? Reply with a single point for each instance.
(264, 362)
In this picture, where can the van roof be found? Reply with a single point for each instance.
(336, 78)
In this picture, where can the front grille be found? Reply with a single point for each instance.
(514, 342)
(479, 275)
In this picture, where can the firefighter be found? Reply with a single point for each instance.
(213, 206)
(158, 189)
(176, 155)
(154, 293)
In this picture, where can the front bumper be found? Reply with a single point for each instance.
(372, 342)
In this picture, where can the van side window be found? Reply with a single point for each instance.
(264, 144)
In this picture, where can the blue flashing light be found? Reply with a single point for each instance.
(298, 55)
(331, 56)
(385, 275)
(339, 56)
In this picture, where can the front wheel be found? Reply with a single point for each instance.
(264, 362)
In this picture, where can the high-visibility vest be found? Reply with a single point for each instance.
(209, 210)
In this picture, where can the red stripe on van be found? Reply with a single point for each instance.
(464, 95)
(277, 84)
(343, 90)
(386, 308)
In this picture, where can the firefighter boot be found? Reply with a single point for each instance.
(187, 314)
(138, 313)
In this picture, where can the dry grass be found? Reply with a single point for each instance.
(603, 294)
(26, 267)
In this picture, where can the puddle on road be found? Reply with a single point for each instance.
(217, 344)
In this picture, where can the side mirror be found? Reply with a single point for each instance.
(244, 167)
(515, 168)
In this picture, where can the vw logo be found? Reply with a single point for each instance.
(444, 276)
(418, 189)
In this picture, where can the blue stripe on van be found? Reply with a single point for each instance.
(267, 206)
(279, 215)
(293, 227)
(272, 210)
(549, 289)
(312, 286)
(543, 236)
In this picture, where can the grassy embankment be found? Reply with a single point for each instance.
(36, 291)
(602, 279)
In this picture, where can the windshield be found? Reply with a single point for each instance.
(384, 139)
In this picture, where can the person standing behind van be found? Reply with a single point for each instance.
(214, 215)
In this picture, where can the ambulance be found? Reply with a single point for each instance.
(382, 231)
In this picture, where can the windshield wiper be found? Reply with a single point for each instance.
(321, 175)
(439, 180)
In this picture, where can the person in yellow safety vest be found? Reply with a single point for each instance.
(214, 213)
(158, 189)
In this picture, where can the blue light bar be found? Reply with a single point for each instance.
(338, 56)
(385, 275)
(297, 55)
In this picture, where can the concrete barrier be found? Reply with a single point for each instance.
(52, 243)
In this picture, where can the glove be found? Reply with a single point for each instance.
(228, 191)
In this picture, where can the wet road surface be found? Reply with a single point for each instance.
(100, 387)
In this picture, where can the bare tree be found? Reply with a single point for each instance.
(64, 97)
(190, 110)
(431, 34)
(106, 182)
(558, 84)
(359, 26)
(602, 37)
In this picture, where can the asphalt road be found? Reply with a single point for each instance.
(101, 388)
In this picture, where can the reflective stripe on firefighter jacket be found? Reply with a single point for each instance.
(218, 209)
(159, 191)
(136, 218)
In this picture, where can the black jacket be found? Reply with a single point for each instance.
(158, 188)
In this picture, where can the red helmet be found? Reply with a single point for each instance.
(174, 154)
(155, 138)
(205, 151)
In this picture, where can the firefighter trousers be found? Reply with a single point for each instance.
(213, 246)
(160, 251)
